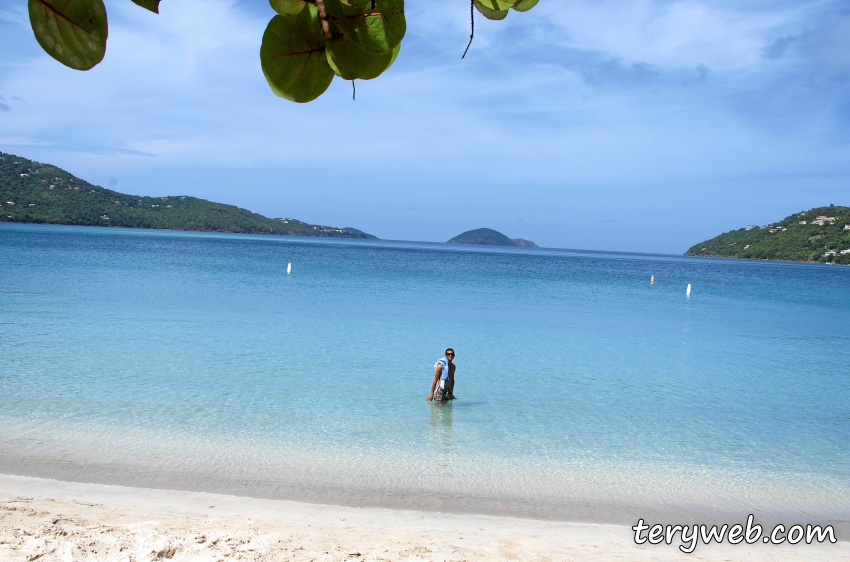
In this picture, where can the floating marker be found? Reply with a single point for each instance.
(289, 270)
(652, 280)
(688, 292)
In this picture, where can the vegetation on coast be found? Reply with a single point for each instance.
(820, 235)
(41, 193)
(490, 237)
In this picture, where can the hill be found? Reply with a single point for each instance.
(490, 237)
(817, 235)
(41, 193)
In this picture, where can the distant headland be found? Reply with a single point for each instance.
(491, 237)
(821, 235)
(41, 193)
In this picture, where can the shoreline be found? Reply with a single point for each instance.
(53, 520)
(616, 495)
(580, 492)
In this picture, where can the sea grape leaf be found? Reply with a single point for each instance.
(524, 5)
(152, 5)
(498, 5)
(293, 56)
(71, 31)
(350, 61)
(488, 12)
(395, 53)
(375, 31)
(284, 7)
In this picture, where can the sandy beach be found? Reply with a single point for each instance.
(44, 519)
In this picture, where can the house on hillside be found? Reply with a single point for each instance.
(822, 220)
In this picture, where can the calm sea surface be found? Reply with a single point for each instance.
(193, 361)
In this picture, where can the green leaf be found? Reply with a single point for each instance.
(293, 56)
(498, 5)
(488, 12)
(71, 31)
(152, 5)
(525, 5)
(284, 7)
(376, 32)
(350, 61)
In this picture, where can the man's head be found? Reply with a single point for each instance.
(450, 354)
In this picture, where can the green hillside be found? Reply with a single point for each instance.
(490, 237)
(40, 193)
(816, 235)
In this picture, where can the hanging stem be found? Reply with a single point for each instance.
(472, 27)
(353, 91)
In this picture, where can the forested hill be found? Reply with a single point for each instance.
(41, 193)
(817, 235)
(489, 237)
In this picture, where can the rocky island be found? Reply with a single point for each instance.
(490, 237)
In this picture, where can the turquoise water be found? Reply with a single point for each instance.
(192, 360)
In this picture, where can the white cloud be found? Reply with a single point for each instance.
(683, 33)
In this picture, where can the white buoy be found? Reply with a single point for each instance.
(289, 270)
(652, 280)
(688, 292)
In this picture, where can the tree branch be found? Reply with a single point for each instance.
(323, 15)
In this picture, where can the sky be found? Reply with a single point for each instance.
(623, 125)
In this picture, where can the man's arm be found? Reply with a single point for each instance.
(437, 372)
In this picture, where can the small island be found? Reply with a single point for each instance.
(34, 192)
(820, 235)
(488, 236)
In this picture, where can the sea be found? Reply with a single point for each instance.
(193, 361)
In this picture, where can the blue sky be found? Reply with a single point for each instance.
(639, 125)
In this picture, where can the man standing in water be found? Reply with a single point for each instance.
(442, 389)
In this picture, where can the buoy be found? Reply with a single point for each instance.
(289, 270)
(688, 292)
(652, 280)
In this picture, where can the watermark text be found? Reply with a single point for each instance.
(691, 535)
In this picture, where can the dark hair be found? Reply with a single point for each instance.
(450, 349)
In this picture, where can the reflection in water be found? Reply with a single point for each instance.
(441, 425)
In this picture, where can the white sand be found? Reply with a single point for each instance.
(50, 520)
